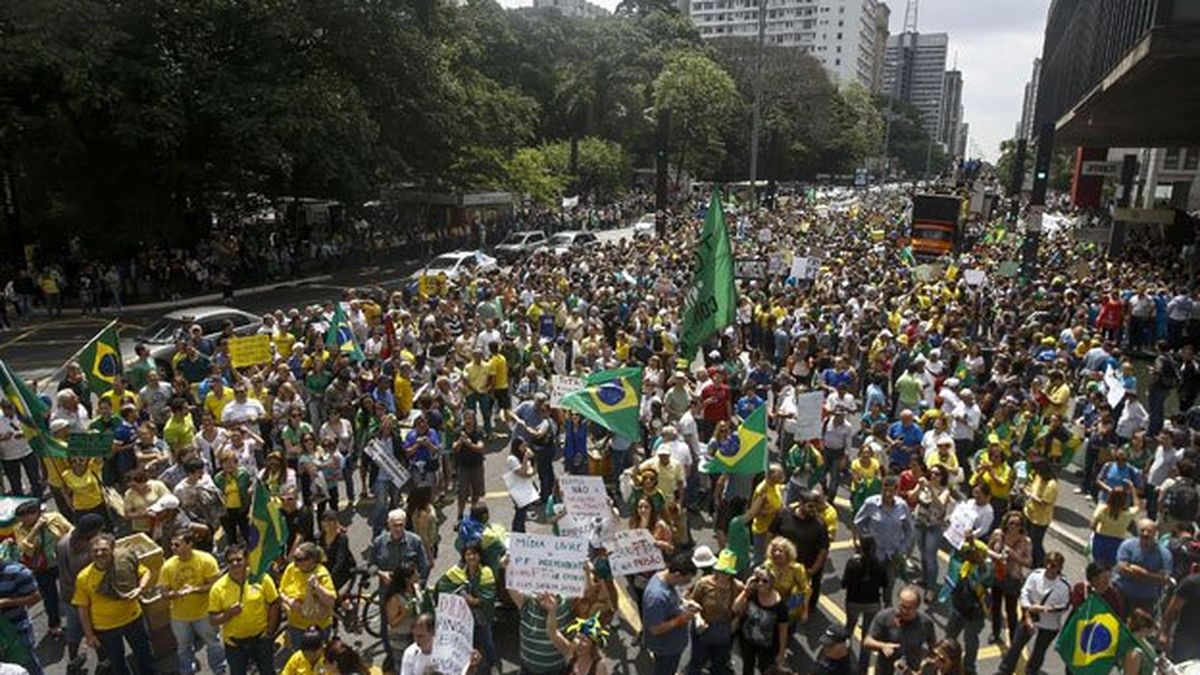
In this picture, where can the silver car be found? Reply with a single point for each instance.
(160, 336)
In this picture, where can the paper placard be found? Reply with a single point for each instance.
(1009, 268)
(634, 551)
(388, 463)
(1115, 385)
(89, 444)
(564, 385)
(962, 523)
(808, 415)
(251, 350)
(585, 497)
(975, 277)
(750, 268)
(455, 629)
(804, 267)
(539, 563)
(521, 489)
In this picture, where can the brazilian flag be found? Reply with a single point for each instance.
(101, 360)
(268, 533)
(33, 413)
(750, 455)
(339, 338)
(1093, 640)
(612, 399)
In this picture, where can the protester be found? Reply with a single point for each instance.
(247, 614)
(106, 596)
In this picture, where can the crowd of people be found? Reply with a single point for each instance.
(949, 410)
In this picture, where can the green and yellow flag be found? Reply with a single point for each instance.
(268, 533)
(33, 413)
(750, 455)
(101, 360)
(712, 301)
(339, 337)
(612, 399)
(1093, 640)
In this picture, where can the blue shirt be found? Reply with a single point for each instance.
(386, 554)
(575, 441)
(16, 581)
(1115, 475)
(748, 404)
(891, 527)
(910, 437)
(424, 454)
(1157, 559)
(660, 602)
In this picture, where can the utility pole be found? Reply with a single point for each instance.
(756, 115)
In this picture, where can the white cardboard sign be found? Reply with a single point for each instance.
(539, 563)
(455, 630)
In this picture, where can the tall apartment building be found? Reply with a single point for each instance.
(914, 72)
(950, 117)
(576, 8)
(1029, 104)
(846, 36)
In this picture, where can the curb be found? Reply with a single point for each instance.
(1068, 539)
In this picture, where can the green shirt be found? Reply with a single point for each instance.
(538, 654)
(317, 384)
(737, 539)
(909, 389)
(136, 373)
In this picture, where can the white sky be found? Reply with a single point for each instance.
(995, 42)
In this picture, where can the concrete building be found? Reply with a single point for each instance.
(844, 35)
(914, 72)
(576, 8)
(950, 117)
(1029, 103)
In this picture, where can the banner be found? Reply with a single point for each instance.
(388, 463)
(564, 385)
(251, 350)
(539, 563)
(711, 300)
(634, 551)
(585, 497)
(808, 415)
(455, 629)
(90, 444)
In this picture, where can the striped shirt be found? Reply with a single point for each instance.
(16, 581)
(538, 654)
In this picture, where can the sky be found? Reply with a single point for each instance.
(995, 42)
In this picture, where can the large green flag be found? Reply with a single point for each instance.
(712, 301)
(1093, 640)
(101, 360)
(339, 337)
(612, 399)
(749, 456)
(268, 533)
(33, 413)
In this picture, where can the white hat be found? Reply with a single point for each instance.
(662, 450)
(703, 557)
(164, 503)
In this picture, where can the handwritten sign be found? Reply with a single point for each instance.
(521, 489)
(564, 385)
(89, 444)
(585, 497)
(634, 551)
(432, 284)
(962, 522)
(388, 463)
(455, 628)
(251, 350)
(539, 563)
(808, 415)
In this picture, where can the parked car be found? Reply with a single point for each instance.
(518, 244)
(570, 240)
(453, 264)
(160, 336)
(646, 227)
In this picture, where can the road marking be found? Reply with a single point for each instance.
(627, 609)
(19, 338)
(838, 615)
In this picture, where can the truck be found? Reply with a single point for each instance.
(936, 227)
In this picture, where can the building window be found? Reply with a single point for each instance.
(1192, 159)
(1171, 161)
(837, 62)
(839, 36)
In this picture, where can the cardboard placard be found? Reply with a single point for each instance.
(539, 563)
(804, 268)
(585, 497)
(521, 489)
(455, 629)
(388, 463)
(250, 350)
(808, 415)
(564, 385)
(634, 551)
(975, 277)
(962, 523)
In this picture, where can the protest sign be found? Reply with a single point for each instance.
(1009, 268)
(251, 350)
(588, 529)
(750, 268)
(975, 277)
(521, 489)
(564, 385)
(585, 497)
(539, 563)
(804, 267)
(777, 264)
(634, 551)
(452, 643)
(927, 272)
(1115, 386)
(962, 522)
(388, 463)
(808, 415)
(89, 444)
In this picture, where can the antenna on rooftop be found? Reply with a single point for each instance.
(910, 16)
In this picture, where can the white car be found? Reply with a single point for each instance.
(517, 244)
(646, 227)
(453, 264)
(562, 243)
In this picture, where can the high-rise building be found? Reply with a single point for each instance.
(950, 117)
(844, 35)
(576, 8)
(914, 72)
(882, 16)
(963, 137)
(1029, 104)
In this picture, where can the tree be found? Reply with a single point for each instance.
(701, 100)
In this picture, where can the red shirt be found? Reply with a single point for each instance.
(1110, 314)
(716, 410)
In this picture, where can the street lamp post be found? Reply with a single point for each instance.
(756, 114)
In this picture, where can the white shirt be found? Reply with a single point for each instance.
(240, 413)
(688, 431)
(1038, 590)
(415, 662)
(982, 517)
(12, 439)
(965, 421)
(1133, 417)
(1164, 461)
(838, 436)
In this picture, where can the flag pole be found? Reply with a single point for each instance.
(56, 371)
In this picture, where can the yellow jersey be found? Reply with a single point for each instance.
(106, 612)
(294, 584)
(255, 598)
(195, 572)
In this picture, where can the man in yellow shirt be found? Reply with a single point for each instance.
(499, 368)
(309, 659)
(308, 593)
(402, 389)
(1040, 495)
(218, 397)
(109, 620)
(479, 389)
(185, 579)
(246, 612)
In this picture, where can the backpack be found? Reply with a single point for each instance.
(1180, 501)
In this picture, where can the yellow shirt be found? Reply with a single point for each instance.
(255, 598)
(136, 501)
(284, 341)
(772, 501)
(298, 664)
(499, 366)
(233, 496)
(294, 584)
(179, 432)
(106, 613)
(1059, 398)
(864, 473)
(216, 404)
(478, 375)
(792, 580)
(1046, 490)
(402, 389)
(1000, 480)
(1103, 522)
(669, 477)
(830, 516)
(85, 490)
(195, 572)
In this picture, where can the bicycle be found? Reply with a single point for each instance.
(358, 609)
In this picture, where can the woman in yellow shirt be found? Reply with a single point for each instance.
(998, 476)
(767, 500)
(307, 591)
(865, 476)
(1111, 522)
(81, 483)
(309, 659)
(791, 578)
